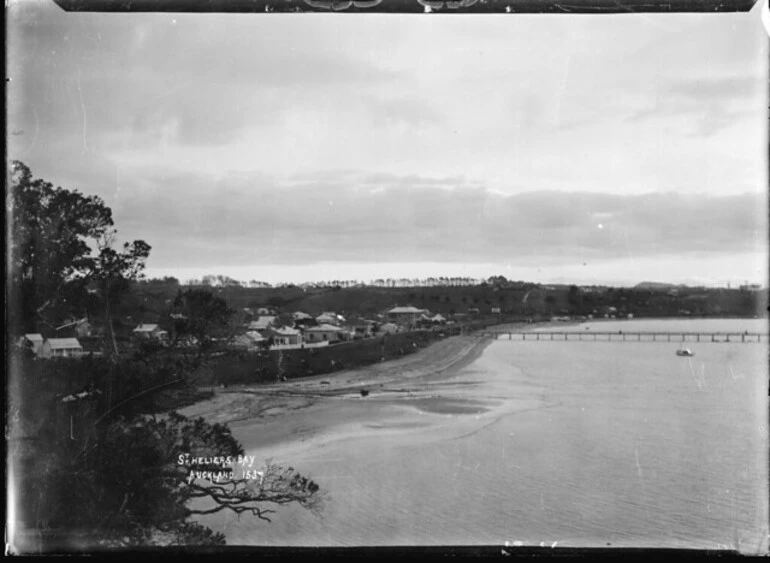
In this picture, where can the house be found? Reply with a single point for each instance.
(495, 310)
(285, 336)
(362, 329)
(405, 315)
(263, 311)
(249, 340)
(438, 319)
(330, 318)
(34, 341)
(388, 328)
(300, 316)
(149, 332)
(62, 348)
(262, 323)
(323, 332)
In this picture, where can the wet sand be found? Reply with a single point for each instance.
(397, 377)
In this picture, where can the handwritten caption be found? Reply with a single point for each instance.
(232, 468)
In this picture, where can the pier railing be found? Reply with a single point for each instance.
(622, 336)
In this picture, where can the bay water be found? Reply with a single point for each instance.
(541, 443)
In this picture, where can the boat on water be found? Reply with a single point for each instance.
(684, 352)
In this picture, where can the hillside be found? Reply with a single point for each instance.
(151, 302)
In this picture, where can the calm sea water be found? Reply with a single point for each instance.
(578, 443)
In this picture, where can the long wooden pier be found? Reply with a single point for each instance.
(622, 336)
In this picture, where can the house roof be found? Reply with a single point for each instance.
(324, 328)
(261, 323)
(146, 327)
(409, 309)
(35, 337)
(299, 315)
(64, 343)
(254, 335)
(286, 331)
(251, 337)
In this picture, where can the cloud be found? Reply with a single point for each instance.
(710, 103)
(405, 112)
(193, 222)
(724, 89)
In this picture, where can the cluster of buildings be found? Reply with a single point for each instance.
(43, 347)
(307, 331)
(264, 330)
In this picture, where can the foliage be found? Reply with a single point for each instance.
(131, 485)
(61, 242)
(203, 317)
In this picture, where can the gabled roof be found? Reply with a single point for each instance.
(249, 338)
(64, 343)
(299, 315)
(146, 327)
(34, 337)
(286, 331)
(410, 309)
(323, 328)
(261, 323)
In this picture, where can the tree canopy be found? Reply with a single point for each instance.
(144, 480)
(61, 242)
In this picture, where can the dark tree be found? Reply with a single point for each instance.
(139, 483)
(203, 317)
(60, 243)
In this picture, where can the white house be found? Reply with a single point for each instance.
(262, 323)
(330, 318)
(62, 348)
(324, 332)
(149, 332)
(249, 340)
(285, 336)
(405, 315)
(387, 328)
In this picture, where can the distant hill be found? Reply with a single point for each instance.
(656, 285)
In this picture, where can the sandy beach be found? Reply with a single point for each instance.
(402, 376)
(411, 378)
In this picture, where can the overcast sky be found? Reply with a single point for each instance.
(277, 147)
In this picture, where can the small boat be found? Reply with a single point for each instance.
(684, 352)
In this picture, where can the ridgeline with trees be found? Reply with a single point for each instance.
(95, 462)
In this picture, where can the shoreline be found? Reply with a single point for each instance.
(243, 402)
(398, 377)
(253, 402)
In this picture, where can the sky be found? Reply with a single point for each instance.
(583, 149)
